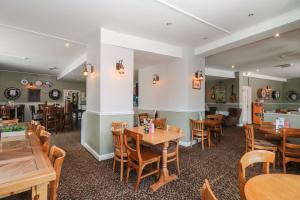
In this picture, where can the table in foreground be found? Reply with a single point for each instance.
(24, 166)
(160, 137)
(273, 187)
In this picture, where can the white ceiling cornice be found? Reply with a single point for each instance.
(282, 23)
(265, 77)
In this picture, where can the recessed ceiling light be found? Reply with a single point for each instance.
(250, 14)
(25, 58)
(169, 24)
(52, 68)
(67, 44)
(204, 38)
(277, 35)
(232, 66)
(257, 70)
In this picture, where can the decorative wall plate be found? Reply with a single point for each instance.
(48, 83)
(24, 82)
(38, 83)
(275, 95)
(261, 93)
(54, 94)
(293, 96)
(12, 93)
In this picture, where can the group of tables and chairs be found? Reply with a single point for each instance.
(29, 164)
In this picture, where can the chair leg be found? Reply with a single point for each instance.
(177, 162)
(128, 172)
(122, 168)
(202, 143)
(157, 167)
(140, 170)
(284, 165)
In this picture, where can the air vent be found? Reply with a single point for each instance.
(283, 66)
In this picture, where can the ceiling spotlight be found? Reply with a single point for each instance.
(232, 66)
(250, 14)
(257, 70)
(169, 24)
(67, 44)
(204, 38)
(25, 58)
(277, 35)
(52, 68)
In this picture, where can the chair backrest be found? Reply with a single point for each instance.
(118, 141)
(39, 130)
(32, 109)
(235, 112)
(249, 137)
(207, 193)
(142, 116)
(133, 148)
(174, 128)
(4, 111)
(160, 123)
(119, 125)
(57, 157)
(45, 138)
(252, 157)
(288, 145)
(198, 125)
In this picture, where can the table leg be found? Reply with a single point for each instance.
(164, 177)
(40, 192)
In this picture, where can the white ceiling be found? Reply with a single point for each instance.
(261, 56)
(73, 20)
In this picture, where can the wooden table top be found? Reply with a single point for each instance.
(23, 164)
(273, 187)
(158, 137)
(210, 122)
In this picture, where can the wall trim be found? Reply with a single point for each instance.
(92, 112)
(92, 151)
(129, 112)
(173, 110)
(106, 156)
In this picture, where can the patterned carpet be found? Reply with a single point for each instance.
(85, 178)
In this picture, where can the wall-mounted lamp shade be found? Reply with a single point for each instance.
(155, 79)
(120, 67)
(30, 85)
(199, 75)
(85, 72)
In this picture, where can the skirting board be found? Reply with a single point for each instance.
(96, 155)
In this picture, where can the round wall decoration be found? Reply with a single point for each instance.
(38, 83)
(54, 94)
(24, 82)
(48, 83)
(12, 93)
(293, 96)
(261, 93)
(275, 95)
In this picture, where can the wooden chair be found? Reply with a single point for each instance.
(199, 132)
(255, 144)
(290, 151)
(57, 157)
(142, 116)
(160, 123)
(4, 112)
(207, 193)
(120, 153)
(119, 125)
(139, 158)
(45, 141)
(250, 158)
(39, 130)
(217, 130)
(51, 119)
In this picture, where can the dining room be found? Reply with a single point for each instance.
(114, 101)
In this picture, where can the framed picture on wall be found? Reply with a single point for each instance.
(196, 84)
(34, 95)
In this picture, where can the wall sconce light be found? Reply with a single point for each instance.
(120, 67)
(155, 79)
(85, 71)
(30, 85)
(199, 75)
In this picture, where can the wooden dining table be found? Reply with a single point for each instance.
(273, 187)
(160, 136)
(24, 166)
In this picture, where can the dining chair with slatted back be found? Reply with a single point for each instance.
(250, 158)
(207, 193)
(199, 132)
(119, 125)
(256, 144)
(120, 154)
(160, 123)
(143, 116)
(45, 139)
(139, 158)
(216, 130)
(290, 150)
(57, 157)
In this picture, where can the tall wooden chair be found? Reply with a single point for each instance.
(120, 154)
(250, 158)
(199, 132)
(142, 116)
(57, 157)
(217, 130)
(51, 119)
(45, 139)
(139, 158)
(160, 123)
(290, 151)
(207, 193)
(256, 144)
(119, 125)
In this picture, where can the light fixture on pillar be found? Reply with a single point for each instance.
(155, 79)
(120, 67)
(198, 75)
(85, 71)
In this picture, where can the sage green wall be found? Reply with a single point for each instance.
(106, 140)
(291, 85)
(13, 79)
(92, 130)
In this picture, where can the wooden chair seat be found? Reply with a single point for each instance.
(199, 133)
(264, 143)
(149, 156)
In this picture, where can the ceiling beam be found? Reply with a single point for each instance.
(283, 23)
(184, 12)
(74, 65)
(219, 73)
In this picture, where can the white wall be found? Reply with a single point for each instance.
(116, 89)
(93, 81)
